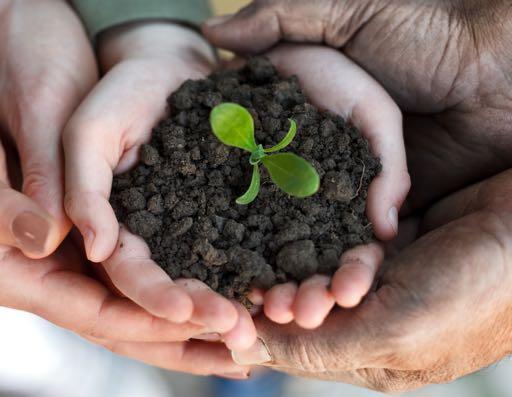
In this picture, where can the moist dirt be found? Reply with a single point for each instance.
(180, 198)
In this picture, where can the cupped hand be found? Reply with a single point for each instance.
(142, 64)
(45, 70)
(445, 63)
(442, 309)
(331, 81)
(61, 289)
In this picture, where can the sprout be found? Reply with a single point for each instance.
(233, 125)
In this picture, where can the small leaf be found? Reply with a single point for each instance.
(233, 125)
(254, 188)
(288, 138)
(292, 174)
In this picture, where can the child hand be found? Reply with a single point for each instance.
(143, 63)
(333, 82)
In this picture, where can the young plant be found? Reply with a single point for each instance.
(233, 125)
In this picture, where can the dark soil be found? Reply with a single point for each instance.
(181, 197)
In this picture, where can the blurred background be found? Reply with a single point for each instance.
(38, 359)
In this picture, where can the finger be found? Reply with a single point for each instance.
(45, 91)
(42, 169)
(387, 192)
(103, 134)
(349, 91)
(469, 200)
(313, 302)
(294, 349)
(136, 276)
(212, 310)
(262, 24)
(255, 296)
(194, 357)
(356, 274)
(23, 223)
(278, 305)
(88, 182)
(98, 313)
(243, 335)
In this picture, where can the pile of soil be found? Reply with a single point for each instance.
(181, 197)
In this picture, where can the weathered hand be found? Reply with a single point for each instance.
(143, 64)
(45, 70)
(445, 63)
(442, 309)
(347, 90)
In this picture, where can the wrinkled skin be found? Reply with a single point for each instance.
(446, 63)
(453, 83)
(442, 309)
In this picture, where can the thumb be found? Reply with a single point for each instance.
(263, 23)
(41, 161)
(344, 342)
(25, 225)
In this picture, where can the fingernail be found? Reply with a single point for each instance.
(256, 355)
(209, 337)
(393, 219)
(218, 20)
(31, 232)
(235, 375)
(89, 237)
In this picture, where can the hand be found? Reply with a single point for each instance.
(143, 63)
(347, 90)
(443, 307)
(444, 63)
(60, 289)
(45, 70)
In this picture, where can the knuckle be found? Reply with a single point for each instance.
(92, 325)
(307, 356)
(71, 203)
(36, 177)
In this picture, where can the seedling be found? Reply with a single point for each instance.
(233, 125)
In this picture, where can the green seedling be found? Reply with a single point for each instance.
(233, 125)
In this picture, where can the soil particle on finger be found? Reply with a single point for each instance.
(181, 196)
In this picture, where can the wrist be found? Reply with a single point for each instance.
(152, 40)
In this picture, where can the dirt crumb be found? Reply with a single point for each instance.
(181, 196)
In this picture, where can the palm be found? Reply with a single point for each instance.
(445, 63)
(451, 87)
(415, 328)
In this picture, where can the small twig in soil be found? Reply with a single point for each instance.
(360, 181)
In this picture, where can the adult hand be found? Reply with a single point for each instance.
(45, 70)
(443, 307)
(60, 289)
(445, 63)
(143, 63)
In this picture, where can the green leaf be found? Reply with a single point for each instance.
(254, 188)
(288, 138)
(233, 125)
(292, 174)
